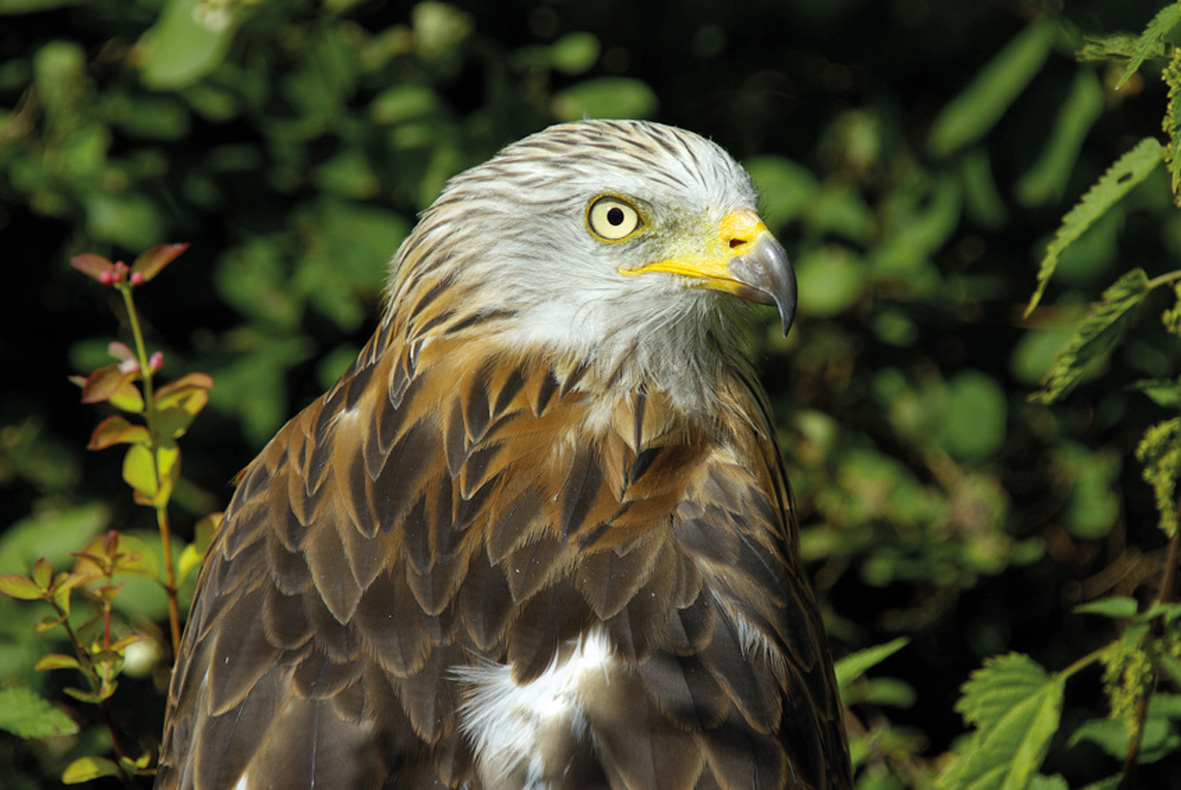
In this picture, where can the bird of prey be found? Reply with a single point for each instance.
(539, 534)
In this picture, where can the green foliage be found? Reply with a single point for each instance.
(26, 714)
(982, 103)
(1160, 453)
(911, 156)
(1131, 169)
(1101, 330)
(1015, 707)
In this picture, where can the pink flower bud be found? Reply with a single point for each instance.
(107, 277)
(137, 278)
(129, 366)
(156, 361)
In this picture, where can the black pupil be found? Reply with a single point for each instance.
(615, 215)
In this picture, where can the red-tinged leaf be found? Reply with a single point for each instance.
(21, 587)
(56, 661)
(79, 380)
(87, 769)
(108, 591)
(42, 573)
(150, 263)
(86, 696)
(120, 351)
(111, 384)
(120, 646)
(117, 430)
(111, 543)
(91, 265)
(196, 379)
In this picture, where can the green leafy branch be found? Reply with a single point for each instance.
(152, 463)
(159, 416)
(1013, 704)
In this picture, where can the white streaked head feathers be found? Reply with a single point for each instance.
(511, 237)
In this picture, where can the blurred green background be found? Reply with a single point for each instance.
(914, 155)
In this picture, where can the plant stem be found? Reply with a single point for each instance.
(1165, 278)
(169, 576)
(1158, 627)
(162, 523)
(96, 683)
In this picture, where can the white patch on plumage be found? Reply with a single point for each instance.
(509, 725)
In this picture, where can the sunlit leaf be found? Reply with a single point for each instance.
(1015, 707)
(203, 533)
(178, 403)
(1128, 171)
(152, 262)
(108, 383)
(1102, 328)
(26, 714)
(42, 573)
(87, 769)
(117, 430)
(139, 471)
(22, 587)
(56, 661)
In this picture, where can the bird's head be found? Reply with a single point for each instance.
(607, 240)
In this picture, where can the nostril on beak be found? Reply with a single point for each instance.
(736, 243)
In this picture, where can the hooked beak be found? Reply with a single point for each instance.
(748, 262)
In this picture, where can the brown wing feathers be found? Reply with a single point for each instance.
(445, 505)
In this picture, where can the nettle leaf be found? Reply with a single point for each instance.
(853, 666)
(1015, 705)
(26, 714)
(1103, 327)
(1128, 171)
(1151, 43)
(1171, 123)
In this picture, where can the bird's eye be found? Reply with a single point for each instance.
(612, 219)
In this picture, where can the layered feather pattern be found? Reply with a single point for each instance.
(468, 520)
